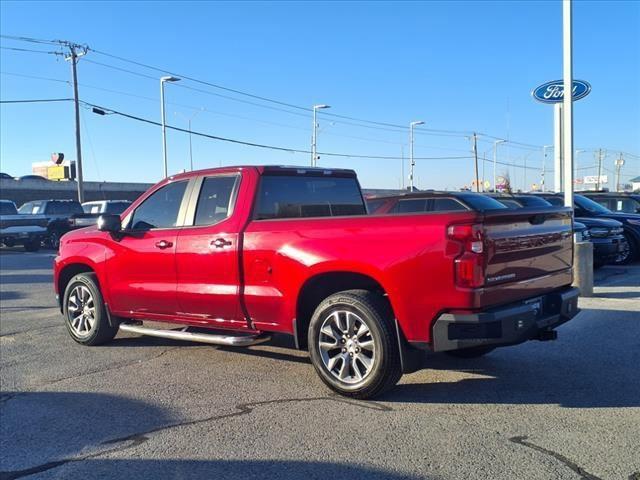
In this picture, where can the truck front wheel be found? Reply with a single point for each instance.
(353, 344)
(84, 311)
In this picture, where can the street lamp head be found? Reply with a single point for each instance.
(169, 79)
(419, 122)
(321, 106)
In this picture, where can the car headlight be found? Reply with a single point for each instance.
(617, 231)
(599, 232)
(586, 236)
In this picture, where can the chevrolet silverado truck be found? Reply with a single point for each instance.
(232, 255)
(16, 229)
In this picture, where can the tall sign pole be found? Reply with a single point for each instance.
(567, 102)
(475, 156)
(557, 147)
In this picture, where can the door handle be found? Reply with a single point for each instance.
(162, 244)
(221, 243)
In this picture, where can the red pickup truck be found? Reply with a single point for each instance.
(230, 255)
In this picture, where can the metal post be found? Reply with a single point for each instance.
(544, 167)
(314, 135)
(313, 139)
(190, 148)
(165, 171)
(475, 156)
(567, 102)
(74, 61)
(619, 164)
(412, 162)
(599, 169)
(402, 167)
(557, 147)
(164, 126)
(495, 163)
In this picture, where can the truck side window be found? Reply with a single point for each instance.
(291, 196)
(214, 200)
(160, 209)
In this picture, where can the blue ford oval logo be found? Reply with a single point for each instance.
(553, 92)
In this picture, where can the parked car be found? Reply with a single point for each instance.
(616, 201)
(60, 216)
(37, 178)
(630, 222)
(5, 176)
(249, 251)
(25, 230)
(92, 210)
(606, 235)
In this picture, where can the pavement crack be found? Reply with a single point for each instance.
(522, 440)
(136, 439)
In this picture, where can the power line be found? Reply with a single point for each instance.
(30, 50)
(104, 111)
(40, 100)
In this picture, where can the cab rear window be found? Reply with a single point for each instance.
(291, 196)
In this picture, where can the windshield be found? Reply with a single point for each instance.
(7, 208)
(31, 208)
(590, 205)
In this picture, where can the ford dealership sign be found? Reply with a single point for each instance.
(553, 92)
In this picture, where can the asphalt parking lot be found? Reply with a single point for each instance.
(149, 408)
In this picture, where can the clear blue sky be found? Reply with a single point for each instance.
(462, 66)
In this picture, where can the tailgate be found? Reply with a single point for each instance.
(526, 243)
(22, 220)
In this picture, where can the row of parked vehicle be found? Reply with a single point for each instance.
(614, 231)
(43, 222)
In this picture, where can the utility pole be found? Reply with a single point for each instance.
(495, 162)
(619, 163)
(599, 169)
(475, 155)
(76, 51)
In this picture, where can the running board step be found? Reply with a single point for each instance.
(229, 340)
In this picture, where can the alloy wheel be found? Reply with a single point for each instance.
(81, 311)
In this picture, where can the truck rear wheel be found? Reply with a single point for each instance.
(32, 245)
(85, 315)
(353, 345)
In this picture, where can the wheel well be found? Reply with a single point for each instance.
(316, 289)
(67, 274)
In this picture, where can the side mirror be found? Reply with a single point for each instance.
(109, 223)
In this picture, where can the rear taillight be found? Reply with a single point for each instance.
(469, 264)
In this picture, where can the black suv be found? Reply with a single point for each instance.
(605, 235)
(588, 209)
(618, 202)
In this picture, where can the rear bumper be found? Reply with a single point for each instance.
(534, 318)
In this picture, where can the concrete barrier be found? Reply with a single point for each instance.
(583, 268)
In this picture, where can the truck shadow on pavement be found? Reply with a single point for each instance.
(593, 364)
(222, 469)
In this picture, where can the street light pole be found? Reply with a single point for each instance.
(495, 163)
(188, 119)
(544, 167)
(412, 161)
(164, 126)
(314, 135)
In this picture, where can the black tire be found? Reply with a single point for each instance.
(54, 239)
(100, 331)
(629, 254)
(472, 352)
(385, 369)
(32, 245)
